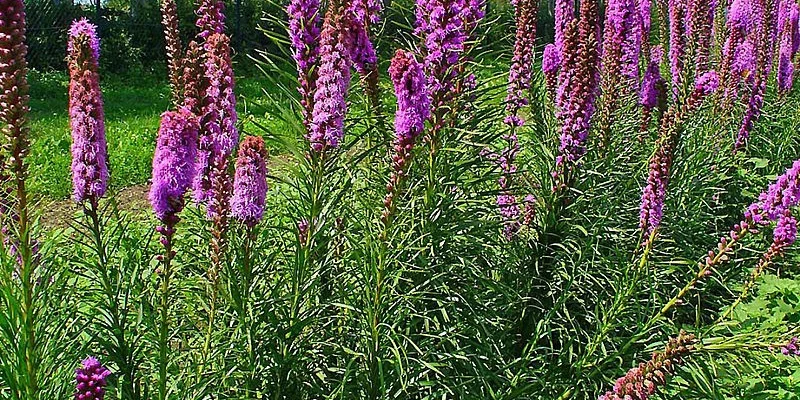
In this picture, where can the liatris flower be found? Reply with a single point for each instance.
(90, 380)
(172, 36)
(578, 89)
(218, 132)
(655, 192)
(89, 153)
(641, 382)
(551, 61)
(302, 231)
(788, 26)
(781, 195)
(304, 30)
(792, 348)
(173, 162)
(194, 81)
(250, 183)
(362, 14)
(699, 26)
(333, 82)
(677, 43)
(645, 23)
(211, 18)
(519, 77)
(413, 108)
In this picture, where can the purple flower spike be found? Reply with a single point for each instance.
(564, 13)
(89, 152)
(677, 42)
(174, 162)
(304, 30)
(621, 42)
(90, 380)
(250, 183)
(707, 83)
(792, 348)
(652, 81)
(413, 108)
(211, 18)
(333, 83)
(551, 61)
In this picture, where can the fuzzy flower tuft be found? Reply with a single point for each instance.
(174, 162)
(89, 152)
(652, 82)
(90, 380)
(250, 182)
(551, 61)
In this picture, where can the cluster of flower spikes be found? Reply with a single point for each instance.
(521, 72)
(653, 90)
(170, 21)
(655, 192)
(89, 150)
(792, 348)
(642, 381)
(218, 132)
(738, 59)
(413, 108)
(304, 31)
(764, 44)
(788, 16)
(444, 27)
(250, 182)
(90, 380)
(174, 162)
(578, 82)
(333, 81)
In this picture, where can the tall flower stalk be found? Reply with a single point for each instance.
(660, 165)
(218, 138)
(789, 41)
(17, 236)
(173, 172)
(247, 207)
(737, 50)
(413, 109)
(363, 14)
(677, 45)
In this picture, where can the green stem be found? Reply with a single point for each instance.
(163, 337)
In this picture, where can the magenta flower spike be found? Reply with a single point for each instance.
(90, 380)
(173, 162)
(363, 13)
(652, 81)
(333, 83)
(89, 149)
(677, 43)
(304, 31)
(413, 108)
(250, 182)
(211, 18)
(551, 61)
(563, 14)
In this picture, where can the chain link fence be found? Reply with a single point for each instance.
(130, 30)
